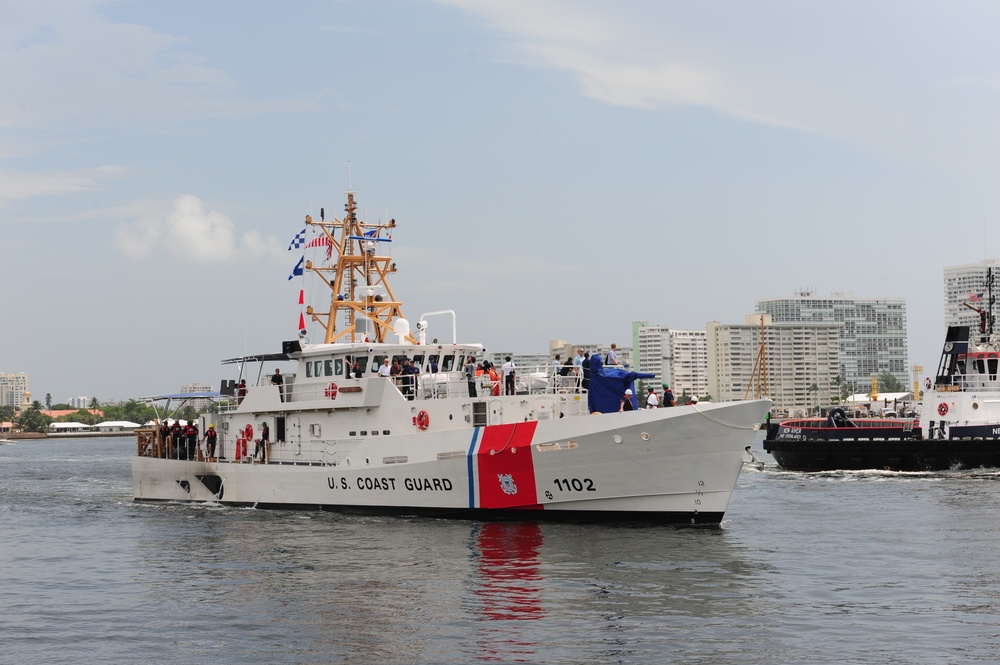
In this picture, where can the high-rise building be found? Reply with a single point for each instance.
(677, 357)
(801, 361)
(967, 284)
(872, 335)
(14, 389)
(198, 403)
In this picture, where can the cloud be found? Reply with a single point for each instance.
(191, 233)
(66, 67)
(618, 63)
(20, 186)
(874, 83)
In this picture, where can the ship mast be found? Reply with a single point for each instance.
(361, 302)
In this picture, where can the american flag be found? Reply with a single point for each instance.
(320, 241)
(975, 297)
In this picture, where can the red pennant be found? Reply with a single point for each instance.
(301, 297)
(302, 322)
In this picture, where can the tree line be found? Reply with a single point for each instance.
(34, 419)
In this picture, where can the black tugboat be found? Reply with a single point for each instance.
(960, 407)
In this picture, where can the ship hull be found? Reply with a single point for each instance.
(675, 465)
(893, 455)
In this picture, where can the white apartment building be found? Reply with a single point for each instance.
(14, 389)
(802, 361)
(81, 402)
(198, 403)
(872, 336)
(967, 284)
(677, 357)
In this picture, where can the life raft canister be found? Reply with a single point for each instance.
(331, 391)
(943, 409)
(423, 420)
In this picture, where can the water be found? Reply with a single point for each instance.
(822, 568)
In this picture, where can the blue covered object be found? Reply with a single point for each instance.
(608, 384)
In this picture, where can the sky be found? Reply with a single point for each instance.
(557, 170)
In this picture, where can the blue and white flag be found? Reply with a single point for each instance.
(298, 240)
(297, 271)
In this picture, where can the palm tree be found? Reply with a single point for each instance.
(48, 401)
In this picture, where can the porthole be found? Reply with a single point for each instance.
(645, 436)
(617, 439)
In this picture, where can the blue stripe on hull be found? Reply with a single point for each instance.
(470, 458)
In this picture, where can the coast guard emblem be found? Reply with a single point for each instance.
(507, 483)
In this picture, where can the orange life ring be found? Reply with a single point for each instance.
(331, 391)
(248, 431)
(423, 420)
(943, 409)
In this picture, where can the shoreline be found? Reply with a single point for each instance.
(21, 436)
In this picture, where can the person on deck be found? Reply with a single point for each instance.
(164, 438)
(668, 396)
(508, 369)
(627, 401)
(410, 373)
(384, 370)
(211, 438)
(241, 391)
(491, 371)
(613, 355)
(191, 434)
(176, 432)
(652, 401)
(277, 380)
(262, 443)
(470, 375)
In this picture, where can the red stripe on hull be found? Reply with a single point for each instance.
(506, 471)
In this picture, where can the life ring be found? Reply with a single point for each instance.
(331, 391)
(423, 420)
(927, 383)
(248, 431)
(943, 409)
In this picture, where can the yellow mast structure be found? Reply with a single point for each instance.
(759, 373)
(360, 294)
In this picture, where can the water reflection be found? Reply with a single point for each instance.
(506, 583)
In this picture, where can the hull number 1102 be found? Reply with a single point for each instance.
(574, 485)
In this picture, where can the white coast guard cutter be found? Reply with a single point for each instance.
(425, 444)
